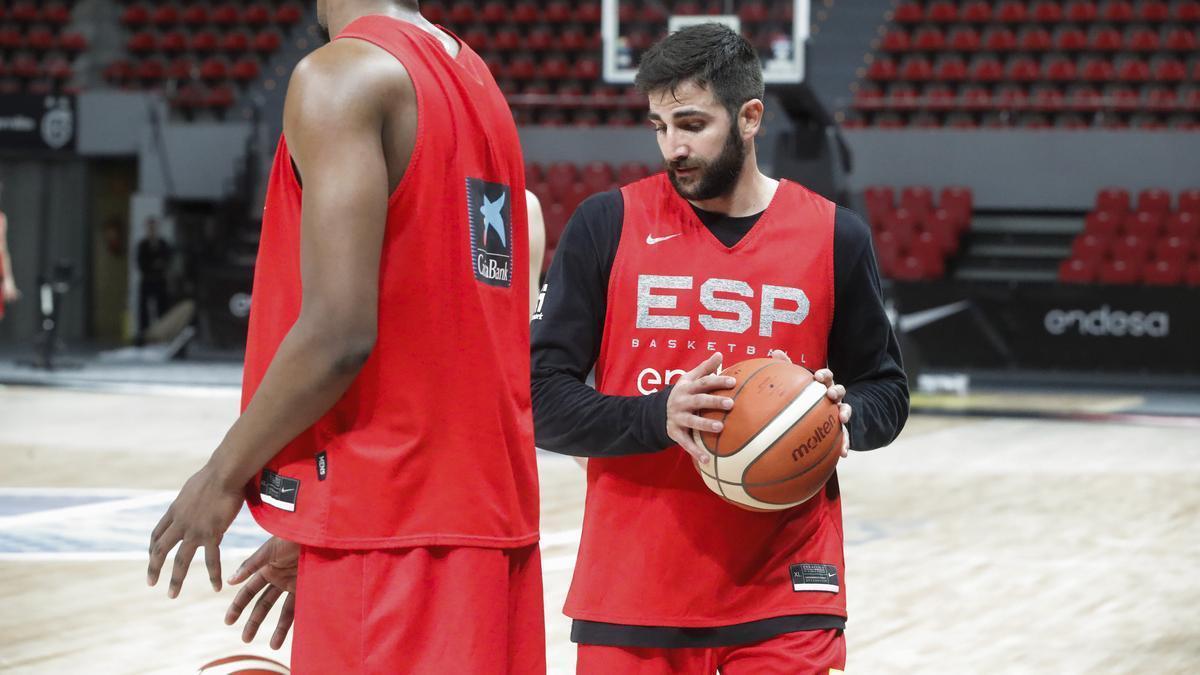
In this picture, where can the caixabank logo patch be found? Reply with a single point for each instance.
(489, 207)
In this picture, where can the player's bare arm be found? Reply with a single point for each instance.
(345, 102)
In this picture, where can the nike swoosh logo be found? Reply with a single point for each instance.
(287, 490)
(910, 322)
(652, 240)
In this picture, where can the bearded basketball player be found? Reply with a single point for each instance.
(385, 438)
(655, 285)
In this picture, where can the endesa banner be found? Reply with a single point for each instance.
(1051, 326)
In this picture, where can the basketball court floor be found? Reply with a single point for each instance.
(1010, 532)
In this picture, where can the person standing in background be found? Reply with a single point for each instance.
(153, 259)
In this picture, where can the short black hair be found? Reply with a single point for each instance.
(711, 55)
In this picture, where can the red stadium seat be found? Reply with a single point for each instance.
(1173, 249)
(25, 11)
(245, 70)
(56, 13)
(987, 69)
(1142, 40)
(999, 39)
(73, 42)
(204, 41)
(879, 199)
(1187, 11)
(1097, 69)
(1035, 39)
(1046, 11)
(1103, 224)
(235, 42)
(1023, 69)
(1154, 11)
(1012, 11)
(1089, 248)
(174, 42)
(1161, 99)
(1189, 201)
(141, 42)
(1117, 11)
(632, 171)
(1117, 271)
(1074, 271)
(929, 40)
(136, 16)
(214, 69)
(588, 13)
(1106, 39)
(1191, 275)
(40, 39)
(950, 69)
(557, 11)
(267, 41)
(1181, 40)
(219, 97)
(1081, 11)
(1071, 39)
(917, 199)
(1154, 200)
(896, 40)
(195, 15)
(288, 14)
(882, 70)
(976, 11)
(1113, 200)
(151, 71)
(942, 11)
(26, 67)
(1169, 69)
(909, 12)
(965, 39)
(165, 15)
(527, 12)
(256, 16)
(182, 69)
(1143, 223)
(225, 15)
(1060, 69)
(916, 69)
(1133, 70)
(1131, 248)
(1163, 273)
(119, 71)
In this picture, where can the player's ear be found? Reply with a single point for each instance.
(750, 118)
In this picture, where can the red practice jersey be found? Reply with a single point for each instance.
(432, 445)
(658, 548)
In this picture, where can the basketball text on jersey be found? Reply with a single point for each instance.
(491, 231)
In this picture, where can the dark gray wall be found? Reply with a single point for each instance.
(1011, 169)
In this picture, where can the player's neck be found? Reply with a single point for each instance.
(751, 194)
(343, 13)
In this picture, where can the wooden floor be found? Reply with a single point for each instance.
(974, 545)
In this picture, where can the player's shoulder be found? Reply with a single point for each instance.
(851, 232)
(349, 72)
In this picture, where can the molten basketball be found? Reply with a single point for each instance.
(781, 441)
(243, 664)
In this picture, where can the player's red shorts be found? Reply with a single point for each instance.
(431, 610)
(809, 652)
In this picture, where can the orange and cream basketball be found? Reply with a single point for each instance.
(243, 664)
(781, 441)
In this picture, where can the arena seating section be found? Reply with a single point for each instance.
(915, 236)
(1150, 241)
(562, 186)
(546, 53)
(200, 51)
(1044, 63)
(36, 50)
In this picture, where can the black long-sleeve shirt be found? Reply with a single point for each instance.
(570, 417)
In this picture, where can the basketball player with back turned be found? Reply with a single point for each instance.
(386, 437)
(656, 285)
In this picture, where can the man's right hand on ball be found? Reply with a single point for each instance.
(692, 396)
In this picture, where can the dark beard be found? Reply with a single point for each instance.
(717, 177)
